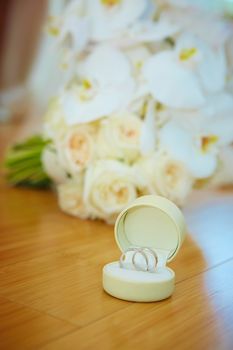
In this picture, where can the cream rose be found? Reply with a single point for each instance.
(119, 137)
(109, 187)
(162, 175)
(76, 150)
(70, 198)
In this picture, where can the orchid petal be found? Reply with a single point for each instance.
(99, 66)
(216, 117)
(218, 105)
(105, 102)
(209, 64)
(107, 21)
(180, 144)
(108, 89)
(172, 84)
(77, 32)
(223, 129)
(212, 71)
(146, 31)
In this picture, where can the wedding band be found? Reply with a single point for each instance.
(138, 267)
(123, 255)
(141, 251)
(155, 256)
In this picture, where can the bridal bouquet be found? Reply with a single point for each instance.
(144, 106)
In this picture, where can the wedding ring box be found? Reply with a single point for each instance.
(152, 224)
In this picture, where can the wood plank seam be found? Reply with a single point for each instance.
(16, 302)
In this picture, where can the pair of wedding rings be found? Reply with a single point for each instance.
(145, 253)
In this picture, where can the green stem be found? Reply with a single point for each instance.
(24, 166)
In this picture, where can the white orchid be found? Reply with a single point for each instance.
(110, 18)
(149, 130)
(195, 151)
(72, 29)
(101, 90)
(126, 22)
(191, 19)
(172, 84)
(183, 77)
(151, 31)
(217, 106)
(217, 118)
(75, 34)
(71, 32)
(138, 55)
(197, 143)
(209, 64)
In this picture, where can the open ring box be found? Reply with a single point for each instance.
(153, 222)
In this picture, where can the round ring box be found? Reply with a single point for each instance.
(153, 222)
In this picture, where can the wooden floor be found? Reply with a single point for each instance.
(51, 295)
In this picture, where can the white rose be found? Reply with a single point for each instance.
(119, 137)
(109, 188)
(76, 150)
(52, 165)
(70, 198)
(162, 175)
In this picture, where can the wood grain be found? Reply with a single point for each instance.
(24, 328)
(51, 295)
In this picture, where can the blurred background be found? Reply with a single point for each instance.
(22, 45)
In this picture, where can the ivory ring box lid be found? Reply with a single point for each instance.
(153, 222)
